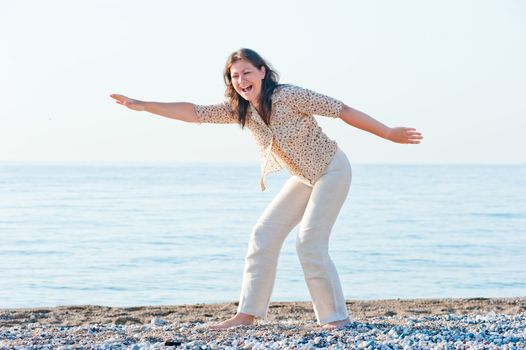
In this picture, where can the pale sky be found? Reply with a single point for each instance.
(453, 69)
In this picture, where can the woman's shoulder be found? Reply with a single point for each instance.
(285, 90)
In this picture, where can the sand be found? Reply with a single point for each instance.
(83, 315)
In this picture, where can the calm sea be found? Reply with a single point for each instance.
(149, 234)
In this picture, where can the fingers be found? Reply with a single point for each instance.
(414, 139)
(412, 132)
(408, 136)
(120, 98)
(412, 136)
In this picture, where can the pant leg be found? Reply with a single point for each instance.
(279, 218)
(328, 195)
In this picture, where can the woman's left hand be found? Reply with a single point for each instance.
(404, 135)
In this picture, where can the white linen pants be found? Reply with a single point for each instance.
(315, 207)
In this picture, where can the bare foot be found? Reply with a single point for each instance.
(238, 320)
(337, 324)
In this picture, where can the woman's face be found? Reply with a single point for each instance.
(247, 80)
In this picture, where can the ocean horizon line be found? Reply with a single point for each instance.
(226, 163)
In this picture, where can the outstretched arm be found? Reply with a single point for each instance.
(362, 121)
(183, 111)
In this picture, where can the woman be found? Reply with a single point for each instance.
(281, 119)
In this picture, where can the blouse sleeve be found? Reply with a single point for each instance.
(313, 103)
(217, 114)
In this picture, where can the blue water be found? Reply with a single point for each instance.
(139, 234)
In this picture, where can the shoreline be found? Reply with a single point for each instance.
(461, 323)
(81, 315)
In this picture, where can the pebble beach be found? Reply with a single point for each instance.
(475, 323)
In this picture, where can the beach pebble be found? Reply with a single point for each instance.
(247, 345)
(392, 333)
(156, 321)
(484, 331)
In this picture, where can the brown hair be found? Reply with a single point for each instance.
(269, 83)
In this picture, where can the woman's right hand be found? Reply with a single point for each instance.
(136, 105)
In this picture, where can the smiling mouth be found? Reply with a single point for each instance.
(247, 89)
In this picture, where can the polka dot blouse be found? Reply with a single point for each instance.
(293, 139)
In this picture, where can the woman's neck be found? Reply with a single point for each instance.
(256, 106)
